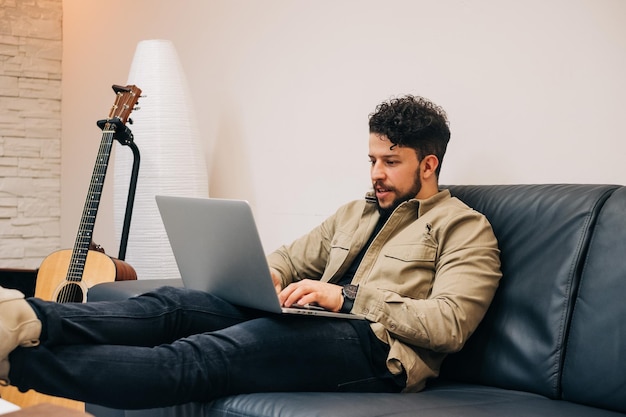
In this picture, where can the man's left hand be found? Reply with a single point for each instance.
(310, 291)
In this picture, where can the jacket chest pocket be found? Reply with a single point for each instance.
(411, 265)
(417, 253)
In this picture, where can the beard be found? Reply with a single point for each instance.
(385, 212)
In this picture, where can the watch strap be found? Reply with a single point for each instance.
(348, 292)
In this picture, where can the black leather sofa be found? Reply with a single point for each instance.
(552, 344)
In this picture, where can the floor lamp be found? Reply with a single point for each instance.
(172, 159)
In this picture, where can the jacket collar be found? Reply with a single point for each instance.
(421, 205)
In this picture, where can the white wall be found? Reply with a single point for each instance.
(535, 92)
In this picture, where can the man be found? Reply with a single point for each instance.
(419, 265)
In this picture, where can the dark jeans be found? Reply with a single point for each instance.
(174, 346)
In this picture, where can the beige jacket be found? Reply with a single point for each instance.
(425, 282)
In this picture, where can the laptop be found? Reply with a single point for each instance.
(217, 249)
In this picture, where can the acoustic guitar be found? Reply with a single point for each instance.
(66, 275)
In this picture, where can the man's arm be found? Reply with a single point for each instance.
(467, 272)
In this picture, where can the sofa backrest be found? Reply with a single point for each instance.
(594, 370)
(543, 232)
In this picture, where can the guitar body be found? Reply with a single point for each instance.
(52, 283)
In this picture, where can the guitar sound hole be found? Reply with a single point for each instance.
(70, 293)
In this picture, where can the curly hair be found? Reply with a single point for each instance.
(413, 122)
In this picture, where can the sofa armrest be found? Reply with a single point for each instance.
(121, 290)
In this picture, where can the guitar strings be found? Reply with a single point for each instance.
(72, 291)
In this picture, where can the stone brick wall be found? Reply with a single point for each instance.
(30, 130)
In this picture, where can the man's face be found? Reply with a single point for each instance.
(394, 172)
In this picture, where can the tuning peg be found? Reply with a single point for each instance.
(130, 121)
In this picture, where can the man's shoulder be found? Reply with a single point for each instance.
(453, 207)
(446, 199)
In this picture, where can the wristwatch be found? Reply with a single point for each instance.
(349, 295)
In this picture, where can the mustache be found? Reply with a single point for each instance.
(381, 185)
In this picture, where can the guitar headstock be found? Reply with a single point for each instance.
(126, 99)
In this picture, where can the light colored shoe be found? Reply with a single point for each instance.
(19, 326)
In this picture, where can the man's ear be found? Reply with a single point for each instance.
(429, 166)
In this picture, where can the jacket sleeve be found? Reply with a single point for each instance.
(306, 257)
(317, 255)
(467, 272)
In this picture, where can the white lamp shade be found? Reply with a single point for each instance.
(172, 161)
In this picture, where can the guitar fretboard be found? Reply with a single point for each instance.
(88, 219)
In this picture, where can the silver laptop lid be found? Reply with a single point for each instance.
(217, 249)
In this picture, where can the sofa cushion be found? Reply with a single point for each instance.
(543, 232)
(595, 360)
(441, 401)
(452, 400)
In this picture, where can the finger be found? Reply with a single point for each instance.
(308, 299)
(298, 295)
(286, 296)
(294, 298)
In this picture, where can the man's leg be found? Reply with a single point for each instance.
(274, 353)
(157, 317)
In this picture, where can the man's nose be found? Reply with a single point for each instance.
(377, 172)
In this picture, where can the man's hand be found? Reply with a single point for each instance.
(310, 291)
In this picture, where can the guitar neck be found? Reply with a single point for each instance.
(84, 236)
